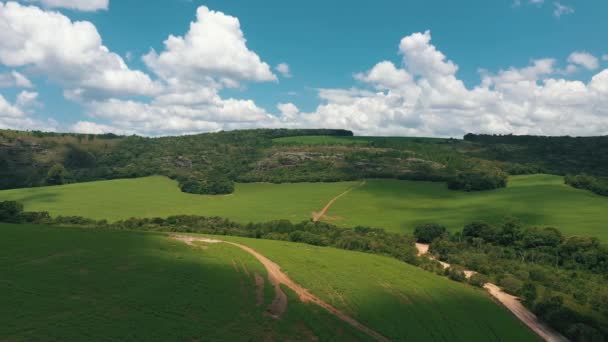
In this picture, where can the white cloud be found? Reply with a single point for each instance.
(289, 111)
(14, 79)
(88, 127)
(69, 53)
(425, 97)
(17, 116)
(517, 3)
(27, 99)
(283, 69)
(584, 59)
(79, 5)
(213, 51)
(561, 9)
(605, 57)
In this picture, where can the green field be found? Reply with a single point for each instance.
(536, 199)
(160, 197)
(76, 284)
(62, 284)
(399, 300)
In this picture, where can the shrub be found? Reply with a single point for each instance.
(478, 280)
(456, 273)
(511, 284)
(10, 211)
(428, 232)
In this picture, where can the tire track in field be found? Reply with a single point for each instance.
(511, 302)
(277, 277)
(316, 216)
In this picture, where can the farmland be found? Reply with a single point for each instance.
(74, 284)
(535, 199)
(160, 197)
(398, 300)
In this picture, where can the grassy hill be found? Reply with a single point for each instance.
(158, 196)
(76, 285)
(535, 199)
(399, 300)
(73, 284)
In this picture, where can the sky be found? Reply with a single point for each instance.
(384, 67)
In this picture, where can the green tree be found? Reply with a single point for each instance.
(56, 175)
(426, 233)
(10, 211)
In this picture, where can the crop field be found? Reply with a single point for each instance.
(535, 199)
(77, 284)
(396, 299)
(160, 197)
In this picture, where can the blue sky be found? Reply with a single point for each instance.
(332, 50)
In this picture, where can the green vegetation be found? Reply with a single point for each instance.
(160, 197)
(83, 284)
(535, 199)
(398, 300)
(558, 155)
(594, 184)
(561, 279)
(321, 140)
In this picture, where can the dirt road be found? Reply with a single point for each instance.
(510, 302)
(317, 216)
(277, 277)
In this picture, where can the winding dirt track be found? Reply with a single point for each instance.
(277, 277)
(317, 216)
(510, 302)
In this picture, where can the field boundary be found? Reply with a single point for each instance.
(278, 277)
(316, 216)
(510, 302)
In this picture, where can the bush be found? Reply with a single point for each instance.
(511, 284)
(426, 233)
(56, 175)
(456, 273)
(478, 280)
(479, 179)
(10, 211)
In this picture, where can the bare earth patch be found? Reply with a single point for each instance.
(277, 277)
(510, 302)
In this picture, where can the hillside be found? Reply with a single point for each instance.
(211, 163)
(74, 284)
(167, 288)
(535, 199)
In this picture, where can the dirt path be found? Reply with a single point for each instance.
(316, 216)
(277, 277)
(510, 302)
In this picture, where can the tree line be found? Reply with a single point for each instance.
(561, 279)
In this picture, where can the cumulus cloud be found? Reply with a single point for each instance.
(14, 79)
(423, 96)
(584, 59)
(79, 5)
(214, 50)
(18, 115)
(69, 53)
(283, 69)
